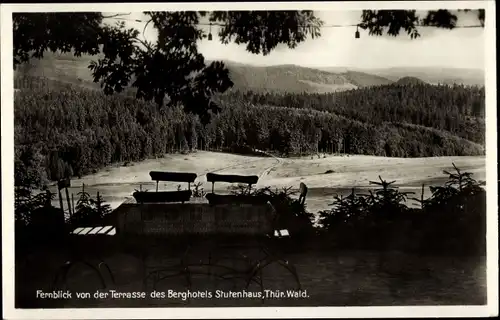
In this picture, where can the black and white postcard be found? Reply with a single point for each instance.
(235, 160)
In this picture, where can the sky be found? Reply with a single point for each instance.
(337, 47)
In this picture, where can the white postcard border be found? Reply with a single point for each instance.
(7, 95)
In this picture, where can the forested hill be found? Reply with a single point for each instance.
(456, 109)
(75, 130)
(297, 79)
(410, 81)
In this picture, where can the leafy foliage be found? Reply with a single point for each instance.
(35, 33)
(393, 21)
(290, 213)
(198, 191)
(26, 203)
(263, 31)
(36, 220)
(171, 68)
(29, 165)
(29, 176)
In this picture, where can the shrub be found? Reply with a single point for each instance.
(451, 220)
(36, 221)
(89, 212)
(456, 215)
(198, 191)
(290, 213)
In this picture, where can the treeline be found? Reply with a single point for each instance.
(458, 109)
(60, 133)
(301, 131)
(77, 131)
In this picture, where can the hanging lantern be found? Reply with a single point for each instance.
(210, 33)
(356, 35)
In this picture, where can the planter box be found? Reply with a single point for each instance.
(162, 196)
(161, 219)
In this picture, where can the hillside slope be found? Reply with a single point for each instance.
(282, 78)
(363, 79)
(287, 78)
(297, 79)
(64, 68)
(432, 75)
(471, 77)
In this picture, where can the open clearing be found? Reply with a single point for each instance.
(116, 183)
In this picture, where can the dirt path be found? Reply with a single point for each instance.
(269, 169)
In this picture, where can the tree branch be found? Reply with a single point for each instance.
(144, 43)
(117, 15)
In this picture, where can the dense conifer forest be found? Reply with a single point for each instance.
(64, 130)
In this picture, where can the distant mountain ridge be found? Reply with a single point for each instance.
(278, 78)
(434, 75)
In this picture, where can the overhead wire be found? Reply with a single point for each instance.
(356, 34)
(322, 26)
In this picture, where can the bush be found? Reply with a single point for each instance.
(198, 191)
(89, 212)
(451, 220)
(37, 222)
(290, 213)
